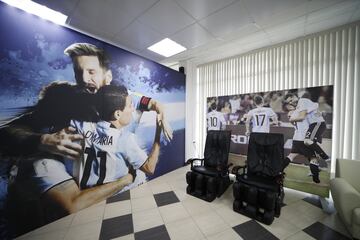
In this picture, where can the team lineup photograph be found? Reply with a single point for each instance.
(303, 116)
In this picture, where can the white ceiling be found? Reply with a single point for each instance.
(210, 29)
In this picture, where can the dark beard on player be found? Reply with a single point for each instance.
(90, 88)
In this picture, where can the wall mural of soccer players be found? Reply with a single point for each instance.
(303, 116)
(80, 121)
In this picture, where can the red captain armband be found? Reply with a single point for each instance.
(144, 102)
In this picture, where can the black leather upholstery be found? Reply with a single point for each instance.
(211, 179)
(209, 171)
(266, 154)
(259, 192)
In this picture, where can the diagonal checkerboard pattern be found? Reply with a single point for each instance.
(161, 209)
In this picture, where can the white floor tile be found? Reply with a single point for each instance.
(178, 184)
(117, 209)
(87, 231)
(281, 228)
(210, 223)
(140, 191)
(147, 219)
(292, 195)
(295, 217)
(310, 211)
(226, 200)
(90, 214)
(192, 218)
(143, 203)
(231, 217)
(196, 206)
(159, 187)
(182, 195)
(184, 229)
(228, 234)
(173, 212)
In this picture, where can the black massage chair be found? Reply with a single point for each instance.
(258, 191)
(210, 178)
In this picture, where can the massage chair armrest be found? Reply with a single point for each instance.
(192, 160)
(224, 172)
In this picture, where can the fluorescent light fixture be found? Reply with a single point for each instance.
(38, 10)
(167, 47)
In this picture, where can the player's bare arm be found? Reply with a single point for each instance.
(68, 195)
(301, 116)
(150, 163)
(64, 143)
(21, 140)
(159, 109)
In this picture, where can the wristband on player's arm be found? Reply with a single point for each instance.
(132, 171)
(144, 103)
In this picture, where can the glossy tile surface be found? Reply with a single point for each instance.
(161, 209)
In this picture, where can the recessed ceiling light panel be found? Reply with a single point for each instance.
(38, 10)
(167, 47)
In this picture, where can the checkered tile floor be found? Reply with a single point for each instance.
(161, 209)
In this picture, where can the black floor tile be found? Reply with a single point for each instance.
(314, 200)
(165, 198)
(252, 230)
(116, 227)
(320, 231)
(156, 233)
(119, 197)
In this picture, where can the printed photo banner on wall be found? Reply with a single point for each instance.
(95, 102)
(303, 116)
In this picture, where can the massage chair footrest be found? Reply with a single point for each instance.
(206, 187)
(258, 203)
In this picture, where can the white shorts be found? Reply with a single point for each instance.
(42, 174)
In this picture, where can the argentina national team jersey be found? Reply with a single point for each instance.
(261, 119)
(107, 152)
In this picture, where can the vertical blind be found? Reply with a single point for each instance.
(326, 58)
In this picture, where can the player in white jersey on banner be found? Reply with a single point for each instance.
(110, 148)
(260, 117)
(235, 103)
(317, 126)
(215, 119)
(298, 145)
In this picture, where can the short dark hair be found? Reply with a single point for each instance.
(109, 99)
(87, 49)
(306, 95)
(289, 95)
(258, 100)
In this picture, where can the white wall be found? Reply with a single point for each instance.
(190, 144)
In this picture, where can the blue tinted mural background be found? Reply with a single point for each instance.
(31, 57)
